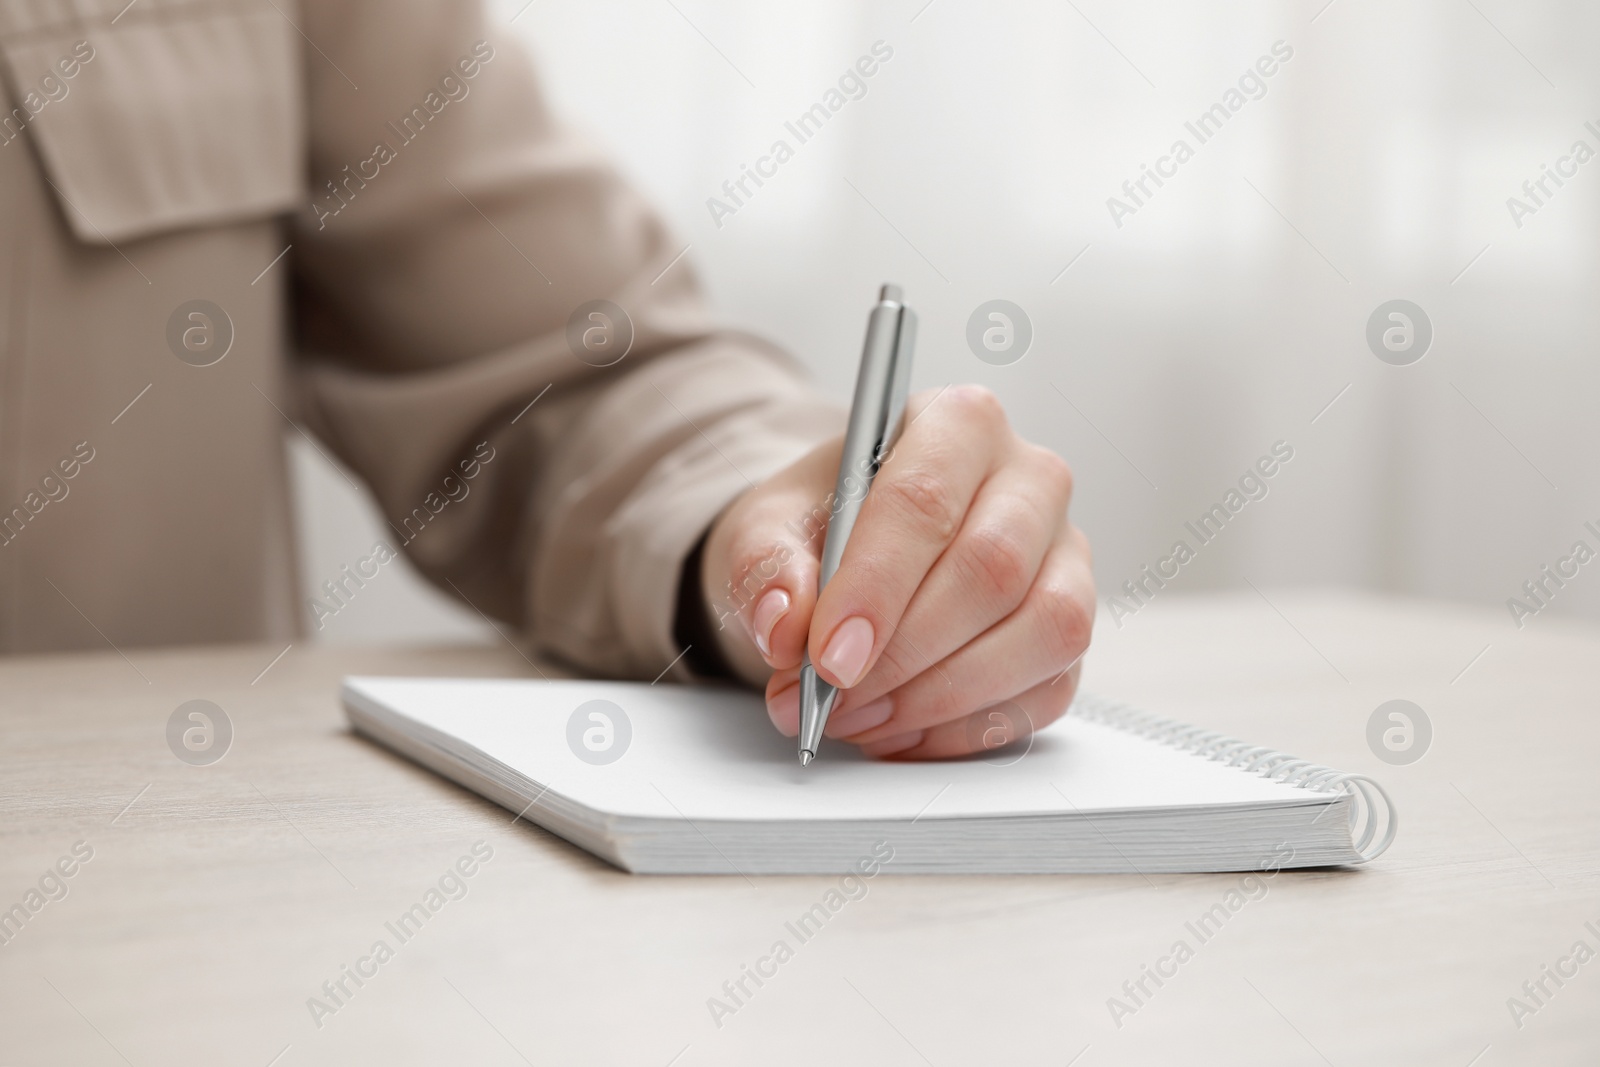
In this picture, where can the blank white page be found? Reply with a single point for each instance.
(710, 753)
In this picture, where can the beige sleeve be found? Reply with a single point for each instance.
(454, 228)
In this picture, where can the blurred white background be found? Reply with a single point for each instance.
(1223, 317)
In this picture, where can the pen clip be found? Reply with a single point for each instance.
(905, 342)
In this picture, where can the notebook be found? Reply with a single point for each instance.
(664, 779)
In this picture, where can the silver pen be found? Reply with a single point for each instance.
(876, 417)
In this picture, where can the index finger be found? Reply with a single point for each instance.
(950, 444)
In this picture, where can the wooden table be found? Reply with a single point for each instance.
(219, 899)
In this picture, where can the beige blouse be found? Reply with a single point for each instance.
(220, 219)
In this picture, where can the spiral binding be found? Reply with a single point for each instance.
(1255, 759)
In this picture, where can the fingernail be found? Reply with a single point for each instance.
(890, 745)
(769, 609)
(784, 711)
(860, 720)
(846, 655)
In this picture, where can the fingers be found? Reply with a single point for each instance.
(783, 702)
(950, 445)
(983, 576)
(761, 564)
(1047, 633)
(962, 587)
(1008, 724)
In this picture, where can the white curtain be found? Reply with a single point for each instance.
(1222, 315)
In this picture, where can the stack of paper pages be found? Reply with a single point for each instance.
(673, 779)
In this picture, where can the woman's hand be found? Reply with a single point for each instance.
(961, 608)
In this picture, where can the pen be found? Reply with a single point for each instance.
(876, 417)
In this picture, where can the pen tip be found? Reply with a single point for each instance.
(805, 758)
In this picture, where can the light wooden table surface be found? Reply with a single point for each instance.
(219, 899)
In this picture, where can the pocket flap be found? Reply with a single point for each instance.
(164, 122)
